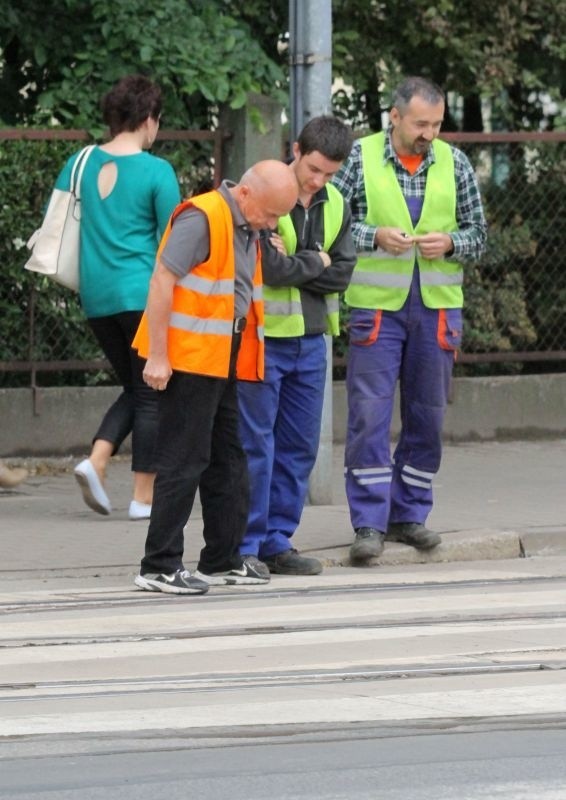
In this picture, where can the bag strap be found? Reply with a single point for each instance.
(78, 169)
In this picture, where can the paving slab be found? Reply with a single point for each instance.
(492, 501)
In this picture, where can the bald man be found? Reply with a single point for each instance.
(201, 331)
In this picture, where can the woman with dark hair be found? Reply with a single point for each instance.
(127, 196)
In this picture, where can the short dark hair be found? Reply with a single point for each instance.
(328, 136)
(411, 87)
(129, 102)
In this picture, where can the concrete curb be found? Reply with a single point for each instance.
(474, 545)
(544, 543)
(456, 546)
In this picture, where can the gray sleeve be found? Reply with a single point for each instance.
(188, 243)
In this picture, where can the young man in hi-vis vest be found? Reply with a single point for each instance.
(305, 266)
(416, 215)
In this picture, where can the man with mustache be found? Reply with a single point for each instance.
(416, 215)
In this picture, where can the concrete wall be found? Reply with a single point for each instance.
(55, 421)
(518, 407)
(63, 420)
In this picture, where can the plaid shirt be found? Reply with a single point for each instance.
(469, 239)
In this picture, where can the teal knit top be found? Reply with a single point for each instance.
(120, 233)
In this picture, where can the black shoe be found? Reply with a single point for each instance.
(251, 571)
(368, 543)
(180, 582)
(412, 533)
(291, 563)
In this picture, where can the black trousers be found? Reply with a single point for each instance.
(198, 448)
(135, 411)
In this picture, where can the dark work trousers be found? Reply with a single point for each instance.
(136, 409)
(198, 447)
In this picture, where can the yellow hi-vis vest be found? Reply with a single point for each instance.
(283, 308)
(199, 337)
(381, 280)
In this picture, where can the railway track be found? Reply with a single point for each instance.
(104, 647)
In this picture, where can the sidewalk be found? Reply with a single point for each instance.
(496, 500)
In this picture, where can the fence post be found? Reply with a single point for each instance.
(255, 135)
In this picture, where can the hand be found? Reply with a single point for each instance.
(393, 240)
(157, 372)
(434, 245)
(278, 243)
(326, 260)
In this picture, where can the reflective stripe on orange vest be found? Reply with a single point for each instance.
(202, 314)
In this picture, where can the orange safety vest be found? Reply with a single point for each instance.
(202, 314)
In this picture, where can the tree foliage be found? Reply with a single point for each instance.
(57, 63)
(510, 52)
(209, 52)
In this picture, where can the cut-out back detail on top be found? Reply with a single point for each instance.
(107, 178)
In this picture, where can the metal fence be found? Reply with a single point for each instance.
(515, 297)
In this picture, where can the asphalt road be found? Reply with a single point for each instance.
(514, 763)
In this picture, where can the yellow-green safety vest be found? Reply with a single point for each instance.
(381, 280)
(282, 304)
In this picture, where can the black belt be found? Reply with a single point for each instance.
(239, 324)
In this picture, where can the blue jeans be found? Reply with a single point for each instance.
(280, 422)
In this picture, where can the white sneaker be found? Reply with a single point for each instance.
(251, 572)
(139, 510)
(180, 582)
(91, 486)
(212, 578)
